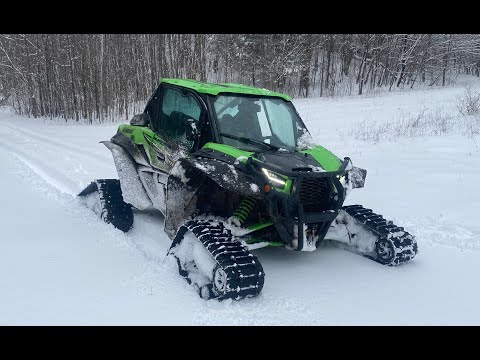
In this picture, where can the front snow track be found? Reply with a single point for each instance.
(105, 198)
(215, 263)
(391, 244)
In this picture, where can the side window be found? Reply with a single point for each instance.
(177, 108)
(153, 109)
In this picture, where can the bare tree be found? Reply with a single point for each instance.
(100, 77)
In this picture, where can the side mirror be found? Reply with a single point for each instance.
(357, 177)
(140, 119)
(191, 132)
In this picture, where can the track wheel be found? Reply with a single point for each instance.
(219, 281)
(385, 251)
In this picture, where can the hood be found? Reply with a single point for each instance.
(317, 158)
(282, 160)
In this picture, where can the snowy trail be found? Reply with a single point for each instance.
(98, 275)
(62, 165)
(46, 172)
(81, 271)
(60, 264)
(50, 141)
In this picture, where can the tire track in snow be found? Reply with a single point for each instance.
(64, 166)
(151, 281)
(441, 233)
(46, 141)
(48, 173)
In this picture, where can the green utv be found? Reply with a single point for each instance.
(233, 168)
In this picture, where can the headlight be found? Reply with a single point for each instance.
(273, 177)
(342, 179)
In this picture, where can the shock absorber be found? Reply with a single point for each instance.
(243, 210)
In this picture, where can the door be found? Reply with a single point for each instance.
(169, 120)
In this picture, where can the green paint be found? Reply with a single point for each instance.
(327, 160)
(259, 226)
(276, 244)
(288, 183)
(254, 240)
(215, 89)
(142, 135)
(287, 189)
(288, 186)
(229, 150)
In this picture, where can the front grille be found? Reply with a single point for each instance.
(315, 194)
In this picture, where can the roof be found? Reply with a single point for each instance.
(215, 89)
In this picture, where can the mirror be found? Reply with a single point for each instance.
(191, 132)
(140, 119)
(357, 177)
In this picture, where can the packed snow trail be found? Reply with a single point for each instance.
(60, 264)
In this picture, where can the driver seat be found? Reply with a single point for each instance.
(247, 120)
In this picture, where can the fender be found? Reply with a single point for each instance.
(135, 152)
(225, 175)
(133, 191)
(186, 178)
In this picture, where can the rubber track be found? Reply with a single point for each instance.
(115, 211)
(245, 276)
(404, 243)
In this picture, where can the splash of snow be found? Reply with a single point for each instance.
(234, 171)
(316, 168)
(179, 171)
(364, 240)
(205, 167)
(240, 159)
(305, 141)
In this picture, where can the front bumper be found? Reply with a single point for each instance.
(310, 208)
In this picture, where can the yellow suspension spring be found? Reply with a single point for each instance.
(244, 209)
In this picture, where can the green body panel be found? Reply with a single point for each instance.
(326, 159)
(142, 135)
(259, 226)
(215, 89)
(254, 240)
(276, 244)
(229, 150)
(288, 186)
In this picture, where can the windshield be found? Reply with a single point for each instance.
(269, 120)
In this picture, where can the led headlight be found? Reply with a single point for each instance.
(274, 178)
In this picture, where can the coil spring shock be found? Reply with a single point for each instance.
(244, 209)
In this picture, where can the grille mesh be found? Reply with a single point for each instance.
(314, 194)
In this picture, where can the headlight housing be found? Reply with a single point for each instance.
(275, 178)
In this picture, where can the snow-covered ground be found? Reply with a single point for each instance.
(60, 264)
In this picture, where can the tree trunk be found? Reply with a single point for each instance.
(403, 61)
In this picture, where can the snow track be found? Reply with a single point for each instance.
(60, 264)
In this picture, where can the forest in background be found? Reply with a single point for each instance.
(97, 77)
